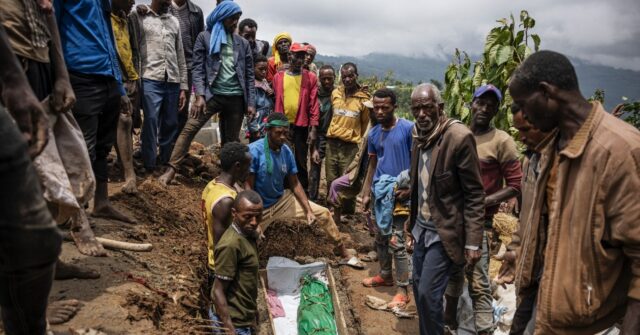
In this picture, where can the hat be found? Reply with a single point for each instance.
(298, 47)
(488, 88)
(368, 104)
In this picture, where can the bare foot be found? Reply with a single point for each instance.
(66, 271)
(130, 187)
(109, 212)
(84, 237)
(62, 311)
(167, 177)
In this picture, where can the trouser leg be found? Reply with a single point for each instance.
(183, 114)
(189, 131)
(480, 290)
(431, 267)
(96, 111)
(398, 249)
(154, 92)
(29, 240)
(525, 311)
(168, 122)
(301, 151)
(231, 116)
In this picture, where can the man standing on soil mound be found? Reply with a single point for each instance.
(273, 164)
(218, 196)
(97, 83)
(447, 203)
(235, 289)
(589, 185)
(224, 83)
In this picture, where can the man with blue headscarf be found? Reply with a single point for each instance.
(223, 79)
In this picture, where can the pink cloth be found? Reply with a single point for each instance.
(275, 306)
(336, 186)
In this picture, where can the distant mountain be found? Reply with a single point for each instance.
(615, 82)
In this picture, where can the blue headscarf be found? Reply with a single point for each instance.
(214, 24)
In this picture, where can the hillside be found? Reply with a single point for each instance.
(616, 83)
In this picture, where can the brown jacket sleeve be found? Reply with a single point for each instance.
(468, 165)
(622, 212)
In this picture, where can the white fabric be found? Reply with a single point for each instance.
(64, 167)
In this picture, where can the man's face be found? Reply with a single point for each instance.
(296, 61)
(383, 109)
(247, 216)
(527, 133)
(310, 56)
(249, 34)
(277, 136)
(231, 23)
(327, 79)
(426, 111)
(241, 169)
(283, 46)
(349, 77)
(163, 5)
(260, 70)
(483, 109)
(541, 111)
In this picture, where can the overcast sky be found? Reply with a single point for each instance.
(603, 32)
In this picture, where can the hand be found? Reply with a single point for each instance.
(269, 91)
(313, 135)
(197, 108)
(403, 194)
(315, 156)
(311, 218)
(62, 98)
(131, 87)
(508, 206)
(251, 113)
(30, 116)
(46, 6)
(472, 256)
(125, 105)
(366, 200)
(142, 9)
(506, 274)
(182, 100)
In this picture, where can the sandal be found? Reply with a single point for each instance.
(376, 281)
(399, 301)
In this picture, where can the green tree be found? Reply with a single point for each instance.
(506, 46)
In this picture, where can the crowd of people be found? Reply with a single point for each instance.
(77, 75)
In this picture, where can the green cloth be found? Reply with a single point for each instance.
(227, 82)
(315, 313)
(237, 262)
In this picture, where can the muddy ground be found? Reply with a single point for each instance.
(161, 292)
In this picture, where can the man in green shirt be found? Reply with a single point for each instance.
(235, 289)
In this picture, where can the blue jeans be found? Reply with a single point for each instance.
(160, 125)
(431, 268)
(217, 323)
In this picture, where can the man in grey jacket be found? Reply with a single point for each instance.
(223, 79)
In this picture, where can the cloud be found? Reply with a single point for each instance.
(601, 32)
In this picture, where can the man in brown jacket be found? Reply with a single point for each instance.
(447, 203)
(589, 186)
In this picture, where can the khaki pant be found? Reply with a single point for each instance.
(288, 208)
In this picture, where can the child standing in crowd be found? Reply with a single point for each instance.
(264, 100)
